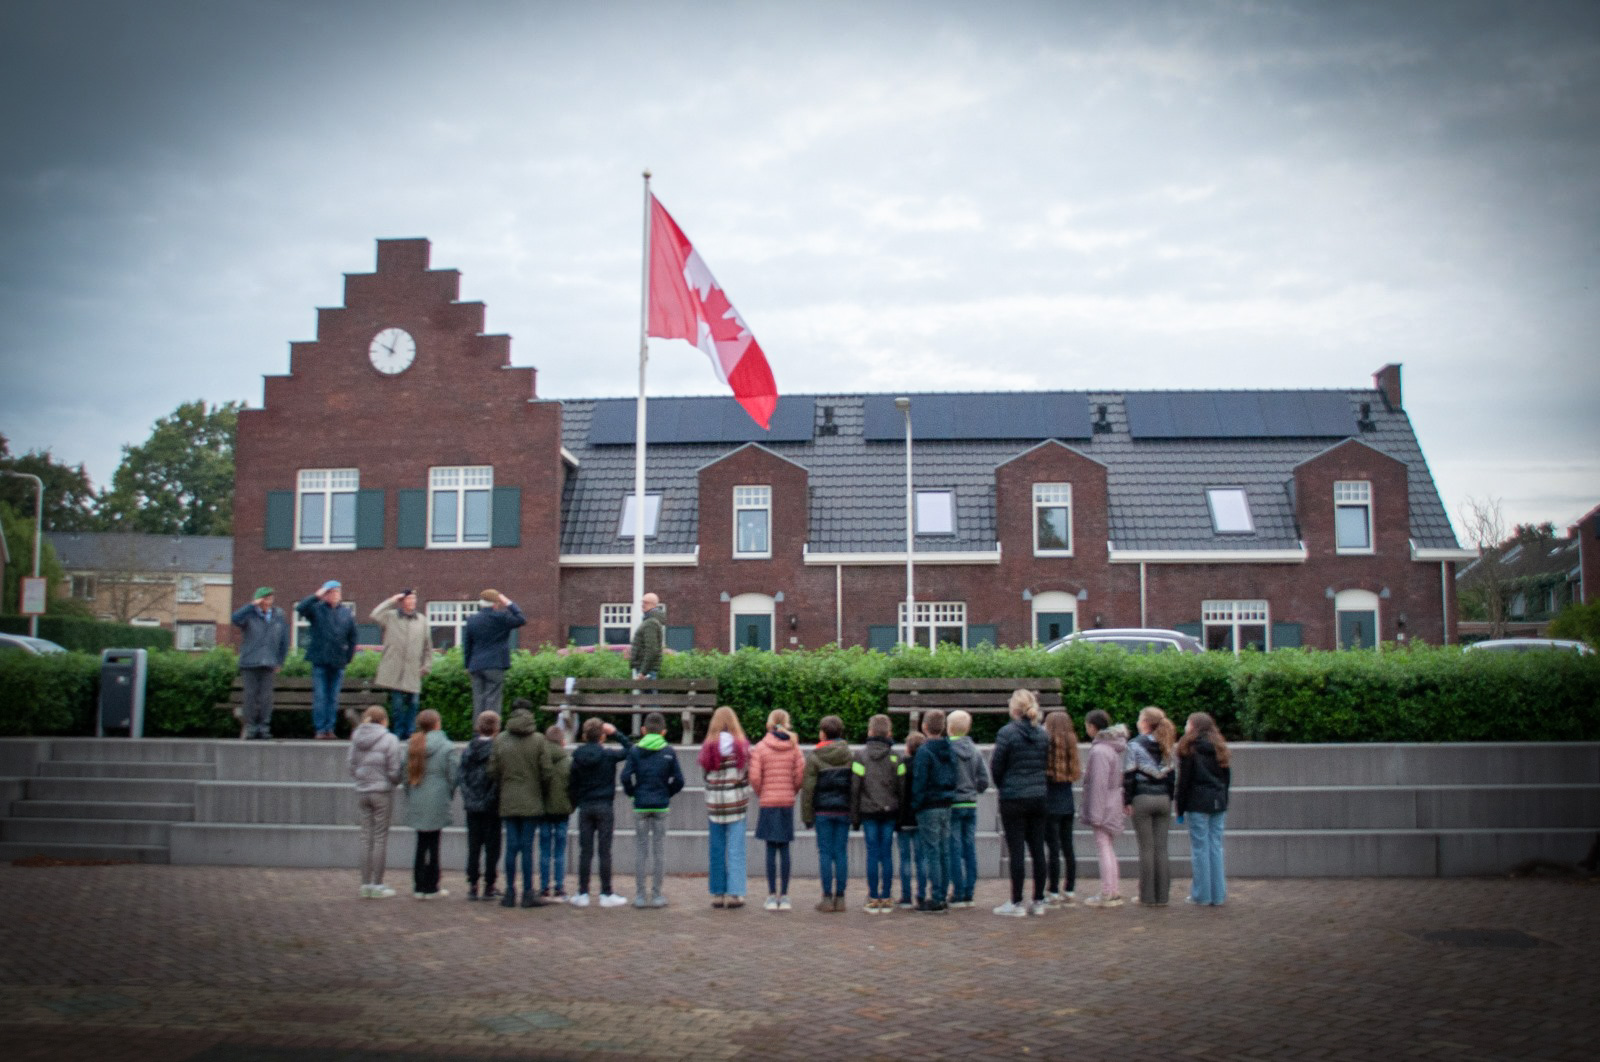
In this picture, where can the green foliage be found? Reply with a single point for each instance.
(1579, 622)
(68, 494)
(89, 635)
(19, 542)
(1417, 694)
(180, 480)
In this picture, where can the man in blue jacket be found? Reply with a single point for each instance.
(486, 649)
(263, 646)
(332, 646)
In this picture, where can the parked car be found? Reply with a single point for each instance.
(21, 643)
(1530, 645)
(1133, 639)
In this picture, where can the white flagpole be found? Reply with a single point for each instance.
(639, 420)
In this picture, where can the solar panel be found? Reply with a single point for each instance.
(1239, 415)
(699, 420)
(1041, 415)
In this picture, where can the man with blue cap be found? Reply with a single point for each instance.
(332, 647)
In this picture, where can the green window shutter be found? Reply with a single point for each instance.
(1286, 636)
(369, 519)
(507, 526)
(982, 634)
(1193, 630)
(583, 635)
(884, 636)
(411, 519)
(280, 519)
(680, 639)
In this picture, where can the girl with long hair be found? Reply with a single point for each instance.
(1147, 783)
(1062, 768)
(725, 759)
(777, 768)
(1204, 776)
(1021, 755)
(430, 783)
(1102, 801)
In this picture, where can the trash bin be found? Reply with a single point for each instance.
(122, 674)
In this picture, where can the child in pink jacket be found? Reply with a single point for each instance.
(1102, 801)
(776, 770)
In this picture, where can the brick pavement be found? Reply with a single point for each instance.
(215, 964)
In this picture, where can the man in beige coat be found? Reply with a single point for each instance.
(407, 656)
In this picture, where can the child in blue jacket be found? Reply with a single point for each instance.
(652, 778)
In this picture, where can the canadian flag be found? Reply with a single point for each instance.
(686, 302)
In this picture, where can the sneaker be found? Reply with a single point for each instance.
(1068, 899)
(784, 904)
(735, 901)
(718, 902)
(611, 899)
(382, 892)
(419, 895)
(1011, 910)
(838, 904)
(923, 907)
(904, 905)
(1037, 908)
(545, 893)
(1191, 899)
(366, 892)
(641, 901)
(772, 904)
(939, 908)
(559, 897)
(437, 894)
(491, 893)
(580, 900)
(968, 902)
(658, 900)
(1052, 898)
(871, 907)
(472, 891)
(532, 899)
(825, 905)
(1095, 901)
(510, 898)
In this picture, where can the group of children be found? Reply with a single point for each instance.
(922, 800)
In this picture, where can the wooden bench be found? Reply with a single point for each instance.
(604, 696)
(294, 695)
(979, 696)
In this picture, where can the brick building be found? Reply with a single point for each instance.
(403, 442)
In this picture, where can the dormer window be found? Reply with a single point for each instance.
(1352, 516)
(936, 512)
(652, 515)
(1230, 511)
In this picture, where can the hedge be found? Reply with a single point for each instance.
(90, 636)
(1415, 694)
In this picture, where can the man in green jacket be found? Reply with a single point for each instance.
(649, 638)
(523, 762)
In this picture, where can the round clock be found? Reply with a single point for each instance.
(392, 351)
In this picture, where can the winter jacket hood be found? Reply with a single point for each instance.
(825, 785)
(934, 775)
(776, 770)
(652, 775)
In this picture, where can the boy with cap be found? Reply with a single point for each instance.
(263, 646)
(331, 647)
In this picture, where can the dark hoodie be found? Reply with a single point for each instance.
(875, 781)
(593, 780)
(479, 791)
(652, 776)
(934, 775)
(825, 789)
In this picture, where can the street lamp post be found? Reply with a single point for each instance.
(904, 406)
(38, 534)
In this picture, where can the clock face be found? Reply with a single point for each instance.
(392, 351)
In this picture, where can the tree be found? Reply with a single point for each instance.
(1486, 586)
(19, 543)
(68, 494)
(1578, 621)
(180, 480)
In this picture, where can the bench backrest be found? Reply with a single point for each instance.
(978, 696)
(691, 698)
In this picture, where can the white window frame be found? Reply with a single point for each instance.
(926, 498)
(191, 628)
(1052, 496)
(1358, 601)
(748, 498)
(326, 483)
(931, 617)
(144, 621)
(616, 615)
(191, 590)
(1353, 494)
(652, 516)
(1234, 615)
(460, 480)
(1212, 497)
(451, 616)
(300, 632)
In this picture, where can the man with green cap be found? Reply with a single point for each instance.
(263, 645)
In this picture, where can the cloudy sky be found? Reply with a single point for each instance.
(924, 196)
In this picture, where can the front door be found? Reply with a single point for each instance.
(1358, 630)
(1050, 626)
(752, 632)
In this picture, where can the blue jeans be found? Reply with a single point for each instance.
(963, 852)
(552, 853)
(519, 841)
(728, 876)
(1210, 884)
(325, 683)
(833, 853)
(403, 713)
(933, 837)
(911, 852)
(879, 835)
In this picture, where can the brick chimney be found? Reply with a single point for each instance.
(1387, 380)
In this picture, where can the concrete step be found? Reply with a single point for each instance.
(1519, 763)
(150, 750)
(86, 809)
(123, 769)
(86, 831)
(137, 790)
(118, 853)
(1421, 807)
